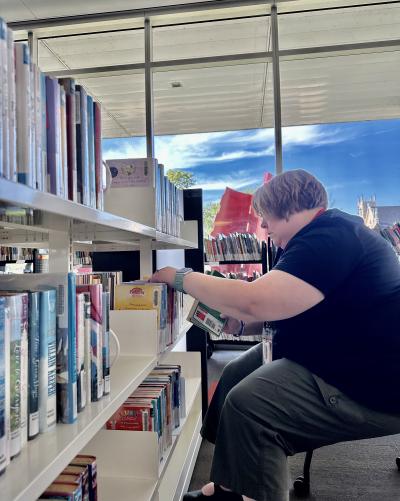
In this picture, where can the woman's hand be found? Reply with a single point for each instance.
(165, 275)
(232, 326)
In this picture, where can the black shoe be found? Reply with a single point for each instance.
(219, 495)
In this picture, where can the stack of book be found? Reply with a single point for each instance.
(234, 247)
(50, 130)
(54, 354)
(16, 254)
(78, 481)
(158, 405)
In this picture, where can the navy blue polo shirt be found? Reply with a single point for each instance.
(352, 338)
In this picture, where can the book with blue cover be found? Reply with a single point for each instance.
(47, 361)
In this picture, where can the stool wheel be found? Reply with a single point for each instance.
(301, 487)
(398, 463)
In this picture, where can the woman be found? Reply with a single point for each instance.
(333, 302)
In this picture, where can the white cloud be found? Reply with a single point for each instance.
(191, 150)
(226, 181)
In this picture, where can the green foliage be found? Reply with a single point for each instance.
(209, 212)
(181, 178)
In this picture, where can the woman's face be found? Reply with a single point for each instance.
(279, 230)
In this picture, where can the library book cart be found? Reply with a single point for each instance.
(127, 462)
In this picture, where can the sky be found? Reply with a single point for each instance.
(351, 159)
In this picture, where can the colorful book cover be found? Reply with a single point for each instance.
(83, 471)
(47, 361)
(80, 351)
(14, 306)
(91, 149)
(33, 364)
(96, 337)
(24, 364)
(130, 172)
(3, 377)
(88, 346)
(106, 343)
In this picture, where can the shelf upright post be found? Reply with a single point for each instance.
(148, 79)
(277, 90)
(61, 249)
(146, 258)
(33, 47)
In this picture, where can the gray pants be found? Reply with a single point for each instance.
(260, 414)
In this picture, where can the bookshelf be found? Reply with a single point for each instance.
(63, 225)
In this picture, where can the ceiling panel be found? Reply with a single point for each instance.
(14, 10)
(48, 61)
(340, 89)
(343, 26)
(235, 36)
(298, 5)
(226, 97)
(99, 49)
(58, 8)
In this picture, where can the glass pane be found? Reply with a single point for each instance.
(236, 36)
(339, 26)
(212, 99)
(97, 49)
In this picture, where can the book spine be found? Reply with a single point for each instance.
(32, 124)
(91, 150)
(24, 368)
(11, 172)
(4, 127)
(7, 370)
(69, 86)
(97, 338)
(43, 132)
(80, 352)
(3, 377)
(53, 136)
(47, 361)
(23, 112)
(98, 157)
(88, 349)
(84, 145)
(15, 371)
(33, 368)
(63, 145)
(106, 343)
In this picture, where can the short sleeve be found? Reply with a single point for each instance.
(324, 257)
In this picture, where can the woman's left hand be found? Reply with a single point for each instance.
(165, 275)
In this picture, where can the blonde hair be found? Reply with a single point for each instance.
(288, 193)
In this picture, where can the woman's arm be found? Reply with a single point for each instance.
(275, 296)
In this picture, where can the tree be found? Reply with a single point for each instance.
(181, 179)
(209, 212)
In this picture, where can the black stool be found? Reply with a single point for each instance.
(301, 485)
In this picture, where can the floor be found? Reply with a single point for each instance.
(364, 470)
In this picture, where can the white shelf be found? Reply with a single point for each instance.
(89, 224)
(43, 458)
(125, 489)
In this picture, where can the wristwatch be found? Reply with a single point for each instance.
(179, 276)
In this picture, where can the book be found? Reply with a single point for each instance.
(33, 364)
(88, 345)
(80, 352)
(47, 361)
(24, 368)
(67, 492)
(69, 86)
(11, 171)
(54, 154)
(82, 146)
(4, 411)
(106, 343)
(91, 464)
(205, 317)
(4, 125)
(96, 338)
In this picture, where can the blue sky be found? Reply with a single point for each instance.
(351, 159)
